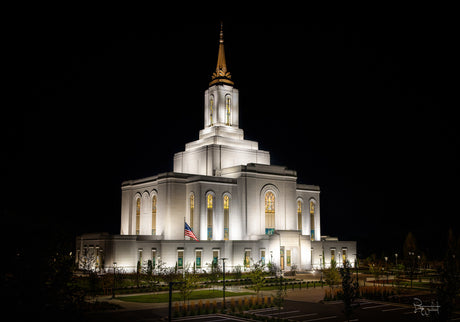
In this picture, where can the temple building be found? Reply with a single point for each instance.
(239, 206)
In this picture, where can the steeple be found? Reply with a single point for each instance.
(221, 75)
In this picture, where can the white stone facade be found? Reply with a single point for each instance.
(225, 166)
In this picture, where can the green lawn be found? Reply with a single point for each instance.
(164, 297)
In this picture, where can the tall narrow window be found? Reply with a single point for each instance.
(332, 254)
(154, 257)
(198, 259)
(262, 256)
(192, 209)
(210, 213)
(247, 258)
(282, 258)
(344, 255)
(215, 256)
(139, 257)
(299, 215)
(288, 257)
(228, 109)
(312, 220)
(154, 215)
(226, 215)
(180, 259)
(138, 215)
(211, 110)
(269, 213)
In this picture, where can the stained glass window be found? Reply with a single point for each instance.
(247, 258)
(154, 215)
(180, 259)
(312, 220)
(299, 215)
(228, 108)
(198, 259)
(192, 209)
(210, 213)
(344, 255)
(138, 215)
(226, 216)
(215, 256)
(269, 213)
(282, 258)
(211, 110)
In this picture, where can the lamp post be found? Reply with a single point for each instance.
(396, 256)
(321, 267)
(223, 278)
(114, 272)
(412, 267)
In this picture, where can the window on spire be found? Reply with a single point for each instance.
(269, 213)
(228, 109)
(211, 110)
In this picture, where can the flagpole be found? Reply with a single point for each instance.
(183, 259)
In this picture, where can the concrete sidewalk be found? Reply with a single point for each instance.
(313, 295)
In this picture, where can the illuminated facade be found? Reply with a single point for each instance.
(239, 205)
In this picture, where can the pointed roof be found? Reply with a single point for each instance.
(221, 75)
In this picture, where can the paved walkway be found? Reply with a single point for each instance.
(313, 295)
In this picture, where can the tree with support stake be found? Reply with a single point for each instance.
(223, 280)
(171, 284)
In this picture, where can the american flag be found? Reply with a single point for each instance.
(189, 232)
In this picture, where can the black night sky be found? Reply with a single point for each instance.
(363, 109)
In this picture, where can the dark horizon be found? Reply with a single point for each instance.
(363, 110)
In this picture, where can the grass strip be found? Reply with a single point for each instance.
(164, 297)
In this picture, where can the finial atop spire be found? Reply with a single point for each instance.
(221, 40)
(221, 75)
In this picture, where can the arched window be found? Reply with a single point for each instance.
(154, 215)
(138, 215)
(211, 110)
(226, 216)
(269, 213)
(210, 213)
(228, 109)
(192, 209)
(312, 220)
(299, 215)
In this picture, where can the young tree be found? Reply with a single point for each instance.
(449, 278)
(257, 276)
(189, 283)
(375, 268)
(138, 272)
(350, 289)
(237, 271)
(331, 274)
(215, 272)
(279, 296)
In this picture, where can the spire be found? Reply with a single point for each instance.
(221, 75)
